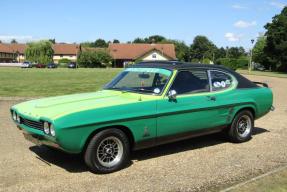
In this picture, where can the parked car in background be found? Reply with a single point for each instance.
(72, 65)
(52, 65)
(258, 67)
(26, 64)
(147, 104)
(40, 65)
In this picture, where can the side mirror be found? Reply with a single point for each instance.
(172, 95)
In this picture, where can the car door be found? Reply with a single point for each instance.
(195, 107)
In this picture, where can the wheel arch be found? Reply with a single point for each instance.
(250, 108)
(123, 128)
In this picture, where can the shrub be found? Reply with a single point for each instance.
(64, 60)
(94, 59)
(233, 63)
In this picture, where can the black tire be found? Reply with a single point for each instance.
(236, 132)
(96, 154)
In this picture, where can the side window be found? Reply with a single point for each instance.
(193, 81)
(220, 80)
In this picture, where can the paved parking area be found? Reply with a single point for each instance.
(208, 162)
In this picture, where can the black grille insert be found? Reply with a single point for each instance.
(32, 124)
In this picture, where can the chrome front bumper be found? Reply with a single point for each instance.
(38, 139)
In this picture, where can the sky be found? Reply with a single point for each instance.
(224, 22)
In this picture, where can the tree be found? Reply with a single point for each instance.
(220, 53)
(94, 59)
(236, 52)
(258, 55)
(150, 39)
(155, 39)
(87, 44)
(40, 52)
(202, 48)
(14, 41)
(181, 49)
(139, 40)
(100, 43)
(64, 60)
(116, 41)
(276, 41)
(52, 40)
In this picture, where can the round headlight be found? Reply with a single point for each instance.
(17, 118)
(52, 130)
(14, 116)
(46, 128)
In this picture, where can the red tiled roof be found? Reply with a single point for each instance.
(65, 49)
(134, 51)
(18, 47)
(5, 48)
(93, 49)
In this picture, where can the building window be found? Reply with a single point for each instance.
(153, 56)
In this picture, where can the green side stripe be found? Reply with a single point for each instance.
(163, 114)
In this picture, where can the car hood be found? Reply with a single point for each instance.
(56, 107)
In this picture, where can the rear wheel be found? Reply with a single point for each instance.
(108, 151)
(241, 127)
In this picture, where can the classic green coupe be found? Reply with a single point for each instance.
(147, 104)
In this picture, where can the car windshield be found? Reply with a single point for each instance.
(141, 80)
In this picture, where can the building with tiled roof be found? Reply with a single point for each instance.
(122, 54)
(126, 53)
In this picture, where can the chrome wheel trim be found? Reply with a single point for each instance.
(244, 125)
(110, 151)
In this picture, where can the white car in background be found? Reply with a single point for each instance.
(26, 64)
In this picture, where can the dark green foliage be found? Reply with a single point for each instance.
(94, 59)
(233, 63)
(276, 42)
(100, 43)
(139, 40)
(220, 53)
(13, 41)
(258, 55)
(116, 41)
(40, 52)
(52, 40)
(202, 48)
(235, 52)
(64, 60)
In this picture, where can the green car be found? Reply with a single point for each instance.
(147, 104)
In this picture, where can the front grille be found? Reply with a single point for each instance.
(32, 124)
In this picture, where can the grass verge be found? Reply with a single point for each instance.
(51, 82)
(263, 73)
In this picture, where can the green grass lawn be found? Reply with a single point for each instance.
(263, 73)
(276, 182)
(50, 82)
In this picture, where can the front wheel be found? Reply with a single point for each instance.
(241, 127)
(108, 151)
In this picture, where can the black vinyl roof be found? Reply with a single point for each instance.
(177, 65)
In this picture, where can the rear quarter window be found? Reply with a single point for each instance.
(220, 80)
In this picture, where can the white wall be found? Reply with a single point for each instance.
(56, 58)
(158, 56)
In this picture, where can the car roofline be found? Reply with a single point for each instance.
(177, 65)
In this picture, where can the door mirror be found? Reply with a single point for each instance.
(172, 95)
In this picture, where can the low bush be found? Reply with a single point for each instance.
(233, 63)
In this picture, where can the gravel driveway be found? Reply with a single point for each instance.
(205, 163)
